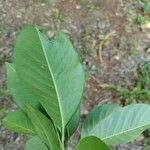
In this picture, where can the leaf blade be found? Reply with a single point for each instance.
(18, 121)
(35, 143)
(21, 92)
(44, 128)
(51, 77)
(123, 125)
(96, 116)
(73, 124)
(88, 143)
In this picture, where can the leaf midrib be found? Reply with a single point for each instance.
(49, 67)
(17, 126)
(129, 130)
(49, 141)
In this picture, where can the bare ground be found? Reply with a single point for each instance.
(111, 46)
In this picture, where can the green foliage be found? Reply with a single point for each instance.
(22, 93)
(41, 1)
(121, 126)
(46, 81)
(35, 143)
(140, 92)
(90, 142)
(53, 73)
(147, 7)
(18, 121)
(44, 128)
(141, 20)
(73, 124)
(143, 75)
(97, 115)
(140, 16)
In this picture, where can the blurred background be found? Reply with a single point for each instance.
(112, 38)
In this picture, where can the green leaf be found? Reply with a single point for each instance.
(147, 7)
(123, 125)
(73, 124)
(35, 143)
(44, 128)
(19, 122)
(91, 143)
(96, 116)
(52, 70)
(22, 93)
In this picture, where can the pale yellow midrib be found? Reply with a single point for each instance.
(17, 126)
(133, 129)
(49, 67)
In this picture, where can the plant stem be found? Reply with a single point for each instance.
(63, 139)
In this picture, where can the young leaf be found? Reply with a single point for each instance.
(22, 93)
(44, 128)
(73, 124)
(91, 143)
(35, 143)
(53, 70)
(19, 122)
(123, 125)
(96, 116)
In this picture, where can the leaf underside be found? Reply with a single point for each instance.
(122, 126)
(19, 122)
(96, 116)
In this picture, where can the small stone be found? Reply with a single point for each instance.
(19, 15)
(50, 34)
(117, 57)
(78, 7)
(148, 50)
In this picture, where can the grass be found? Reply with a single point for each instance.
(140, 92)
(146, 7)
(41, 1)
(141, 16)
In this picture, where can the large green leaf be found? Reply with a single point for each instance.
(53, 70)
(99, 113)
(91, 143)
(44, 128)
(35, 143)
(123, 125)
(19, 122)
(73, 124)
(22, 93)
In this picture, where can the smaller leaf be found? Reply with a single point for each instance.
(35, 143)
(96, 116)
(44, 128)
(92, 143)
(122, 126)
(73, 124)
(19, 122)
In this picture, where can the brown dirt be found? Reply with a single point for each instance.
(101, 32)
